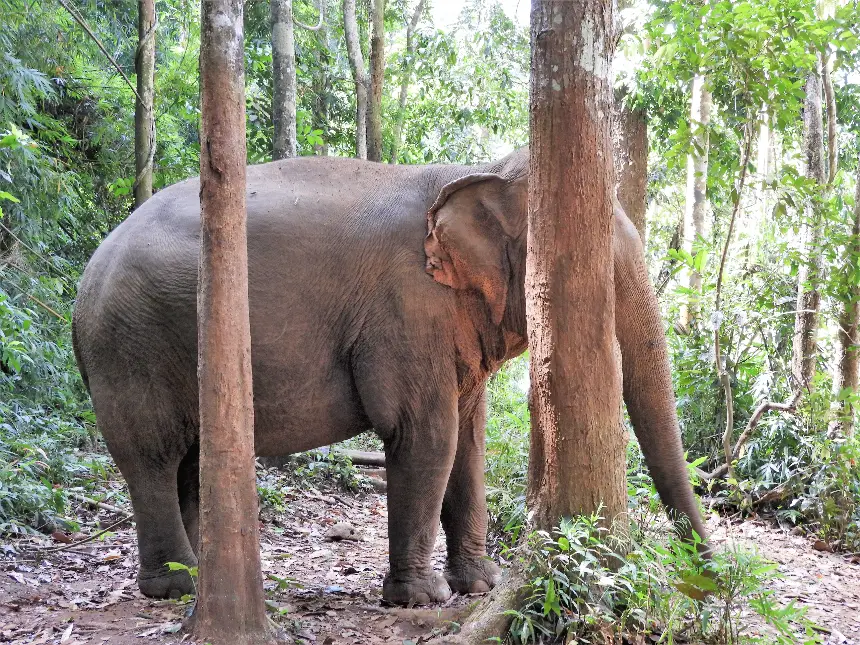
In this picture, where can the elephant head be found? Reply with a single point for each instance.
(476, 244)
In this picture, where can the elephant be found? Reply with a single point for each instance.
(382, 297)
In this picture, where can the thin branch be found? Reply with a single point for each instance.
(767, 406)
(46, 307)
(721, 371)
(319, 24)
(35, 252)
(73, 12)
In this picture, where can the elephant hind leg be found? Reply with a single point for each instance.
(188, 488)
(161, 535)
(148, 438)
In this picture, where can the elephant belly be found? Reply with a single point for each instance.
(296, 413)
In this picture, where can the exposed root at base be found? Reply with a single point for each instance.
(487, 618)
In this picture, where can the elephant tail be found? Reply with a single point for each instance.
(77, 350)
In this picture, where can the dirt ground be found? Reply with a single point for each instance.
(332, 596)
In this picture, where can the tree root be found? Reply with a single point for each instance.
(487, 619)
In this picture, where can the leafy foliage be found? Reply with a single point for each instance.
(584, 582)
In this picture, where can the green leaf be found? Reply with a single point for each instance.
(701, 582)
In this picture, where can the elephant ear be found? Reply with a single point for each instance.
(469, 229)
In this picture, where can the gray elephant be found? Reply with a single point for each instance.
(349, 333)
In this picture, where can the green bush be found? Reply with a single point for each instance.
(585, 583)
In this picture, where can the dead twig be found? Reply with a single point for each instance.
(71, 545)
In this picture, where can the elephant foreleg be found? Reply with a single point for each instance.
(464, 509)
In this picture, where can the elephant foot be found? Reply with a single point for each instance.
(472, 575)
(421, 591)
(165, 584)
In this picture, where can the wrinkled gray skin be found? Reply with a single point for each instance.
(361, 317)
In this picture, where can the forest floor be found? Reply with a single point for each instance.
(88, 594)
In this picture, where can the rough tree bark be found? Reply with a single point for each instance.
(809, 273)
(845, 376)
(696, 202)
(405, 78)
(630, 154)
(283, 79)
(230, 603)
(577, 458)
(377, 76)
(144, 115)
(359, 75)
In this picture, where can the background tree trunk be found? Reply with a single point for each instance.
(377, 76)
(630, 154)
(696, 203)
(321, 90)
(809, 273)
(577, 458)
(846, 377)
(230, 603)
(359, 75)
(830, 96)
(405, 78)
(283, 79)
(144, 115)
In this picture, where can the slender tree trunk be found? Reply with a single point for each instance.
(144, 115)
(359, 75)
(405, 78)
(230, 603)
(377, 76)
(321, 91)
(830, 102)
(763, 168)
(283, 79)
(846, 376)
(577, 459)
(809, 273)
(696, 202)
(630, 154)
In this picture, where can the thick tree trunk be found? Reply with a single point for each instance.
(845, 378)
(377, 76)
(144, 115)
(696, 202)
(230, 603)
(359, 75)
(830, 102)
(630, 154)
(405, 78)
(577, 459)
(283, 79)
(809, 274)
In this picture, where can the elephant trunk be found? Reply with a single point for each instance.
(647, 379)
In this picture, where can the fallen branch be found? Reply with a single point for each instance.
(102, 505)
(775, 495)
(71, 545)
(362, 458)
